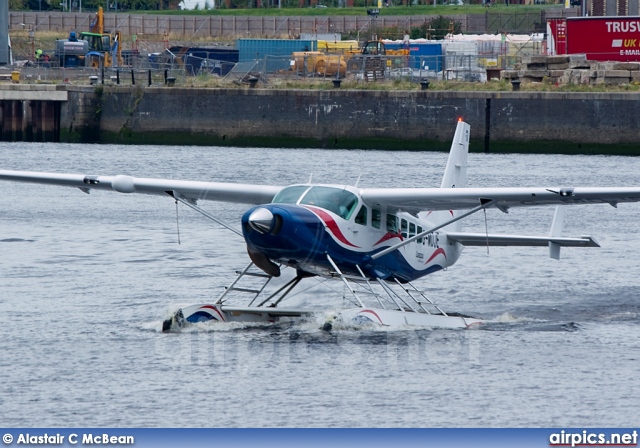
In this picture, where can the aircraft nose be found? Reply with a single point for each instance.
(261, 220)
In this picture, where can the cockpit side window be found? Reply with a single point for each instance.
(341, 202)
(290, 195)
(392, 223)
(376, 218)
(361, 217)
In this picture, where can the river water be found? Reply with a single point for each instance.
(86, 280)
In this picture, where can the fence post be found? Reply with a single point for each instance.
(133, 78)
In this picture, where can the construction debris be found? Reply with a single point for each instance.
(573, 69)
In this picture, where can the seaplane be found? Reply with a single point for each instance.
(376, 241)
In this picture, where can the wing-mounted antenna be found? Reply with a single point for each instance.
(310, 178)
(556, 230)
(358, 180)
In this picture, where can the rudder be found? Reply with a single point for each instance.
(455, 174)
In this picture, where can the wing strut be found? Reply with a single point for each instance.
(191, 204)
(484, 204)
(486, 229)
(177, 221)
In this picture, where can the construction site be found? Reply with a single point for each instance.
(164, 50)
(377, 88)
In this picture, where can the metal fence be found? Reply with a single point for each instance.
(127, 76)
(275, 27)
(170, 70)
(365, 68)
(224, 26)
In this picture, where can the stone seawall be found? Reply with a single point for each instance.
(605, 123)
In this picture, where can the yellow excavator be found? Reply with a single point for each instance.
(336, 58)
(104, 48)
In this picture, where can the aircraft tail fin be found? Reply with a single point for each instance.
(455, 174)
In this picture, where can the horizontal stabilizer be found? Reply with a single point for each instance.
(482, 239)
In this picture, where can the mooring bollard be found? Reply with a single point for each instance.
(336, 83)
(253, 81)
(171, 81)
(424, 84)
(515, 84)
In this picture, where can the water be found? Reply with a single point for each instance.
(86, 280)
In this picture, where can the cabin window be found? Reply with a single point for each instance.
(392, 224)
(361, 217)
(376, 218)
(412, 229)
(403, 227)
(341, 202)
(290, 195)
(420, 230)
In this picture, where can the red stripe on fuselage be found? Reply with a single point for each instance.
(331, 225)
(450, 211)
(436, 253)
(388, 236)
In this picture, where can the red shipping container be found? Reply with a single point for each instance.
(604, 38)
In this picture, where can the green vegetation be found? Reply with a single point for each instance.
(288, 7)
(209, 81)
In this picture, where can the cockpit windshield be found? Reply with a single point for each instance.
(341, 202)
(290, 195)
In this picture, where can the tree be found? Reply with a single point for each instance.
(437, 28)
(34, 5)
(135, 5)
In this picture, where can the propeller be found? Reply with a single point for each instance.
(262, 221)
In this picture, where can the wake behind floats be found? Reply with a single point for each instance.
(376, 241)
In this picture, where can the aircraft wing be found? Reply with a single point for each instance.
(416, 200)
(482, 239)
(213, 191)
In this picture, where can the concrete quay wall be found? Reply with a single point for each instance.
(605, 123)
